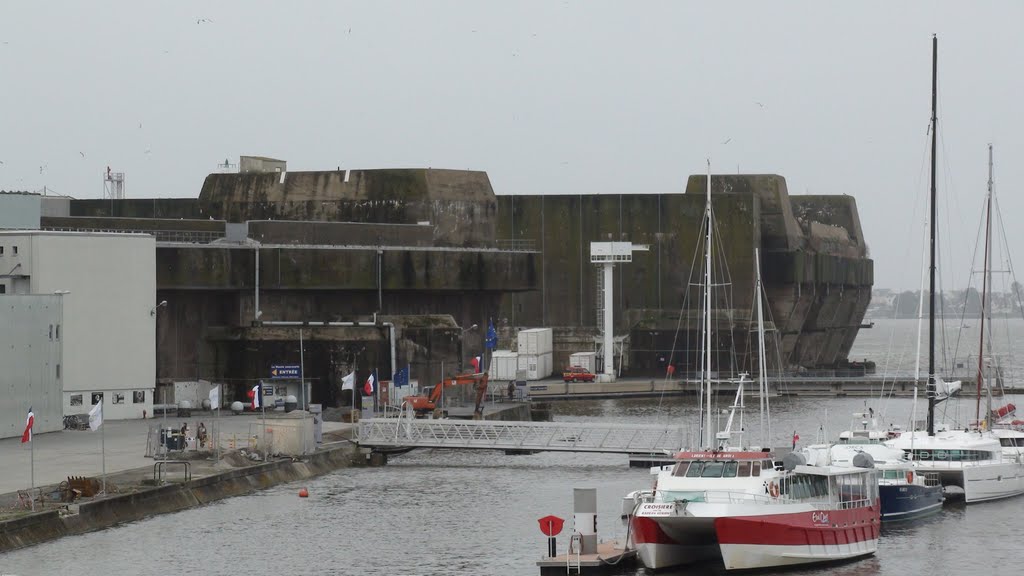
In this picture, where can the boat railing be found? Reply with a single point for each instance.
(710, 496)
(931, 479)
(859, 503)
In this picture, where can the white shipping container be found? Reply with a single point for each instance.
(504, 365)
(535, 366)
(587, 360)
(536, 341)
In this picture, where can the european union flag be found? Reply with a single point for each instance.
(491, 341)
(401, 377)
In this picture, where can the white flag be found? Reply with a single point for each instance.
(96, 416)
(349, 382)
(215, 397)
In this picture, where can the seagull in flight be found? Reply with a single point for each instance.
(82, 153)
(727, 140)
(202, 20)
(759, 104)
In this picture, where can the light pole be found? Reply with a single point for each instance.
(163, 425)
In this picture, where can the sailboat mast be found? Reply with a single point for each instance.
(931, 266)
(762, 376)
(985, 287)
(706, 376)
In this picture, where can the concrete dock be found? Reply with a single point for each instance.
(66, 453)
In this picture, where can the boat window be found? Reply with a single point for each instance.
(767, 465)
(712, 470)
(756, 470)
(680, 469)
(891, 474)
(730, 469)
(694, 470)
(744, 469)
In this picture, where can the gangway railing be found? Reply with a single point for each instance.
(406, 432)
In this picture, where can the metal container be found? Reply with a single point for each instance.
(535, 341)
(535, 366)
(504, 365)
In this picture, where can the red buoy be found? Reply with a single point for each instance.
(303, 493)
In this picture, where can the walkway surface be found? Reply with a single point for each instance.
(66, 453)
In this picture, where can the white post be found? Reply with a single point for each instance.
(609, 329)
(302, 374)
(32, 466)
(103, 450)
(263, 407)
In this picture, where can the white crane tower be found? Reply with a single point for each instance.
(607, 255)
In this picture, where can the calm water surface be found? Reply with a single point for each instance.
(461, 513)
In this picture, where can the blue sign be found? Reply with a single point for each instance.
(285, 371)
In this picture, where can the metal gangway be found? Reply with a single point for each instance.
(406, 432)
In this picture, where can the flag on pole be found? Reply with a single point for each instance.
(369, 385)
(796, 438)
(349, 382)
(491, 340)
(215, 397)
(96, 416)
(255, 394)
(30, 421)
(476, 362)
(401, 377)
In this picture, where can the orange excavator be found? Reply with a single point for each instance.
(424, 405)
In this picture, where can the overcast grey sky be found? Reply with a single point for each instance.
(547, 97)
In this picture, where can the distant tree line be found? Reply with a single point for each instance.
(952, 303)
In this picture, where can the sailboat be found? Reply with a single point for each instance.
(724, 501)
(986, 464)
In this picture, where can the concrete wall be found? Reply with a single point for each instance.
(459, 204)
(108, 331)
(30, 353)
(20, 210)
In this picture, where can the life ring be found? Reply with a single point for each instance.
(773, 489)
(910, 476)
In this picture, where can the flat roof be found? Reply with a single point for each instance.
(73, 233)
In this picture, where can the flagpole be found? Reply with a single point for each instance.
(103, 450)
(263, 407)
(32, 465)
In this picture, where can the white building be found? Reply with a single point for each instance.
(30, 356)
(108, 336)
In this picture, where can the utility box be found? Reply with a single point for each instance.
(586, 360)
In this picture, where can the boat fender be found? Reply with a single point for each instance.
(910, 476)
(773, 489)
(863, 460)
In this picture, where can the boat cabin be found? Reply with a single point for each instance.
(844, 487)
(722, 464)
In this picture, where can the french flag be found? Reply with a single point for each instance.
(370, 383)
(476, 362)
(30, 421)
(255, 393)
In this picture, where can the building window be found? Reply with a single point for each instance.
(139, 397)
(118, 398)
(51, 332)
(3, 288)
(58, 373)
(58, 331)
(15, 250)
(1, 250)
(76, 399)
(97, 398)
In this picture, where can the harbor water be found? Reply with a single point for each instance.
(441, 512)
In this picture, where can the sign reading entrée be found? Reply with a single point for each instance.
(285, 371)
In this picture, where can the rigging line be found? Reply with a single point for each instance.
(967, 291)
